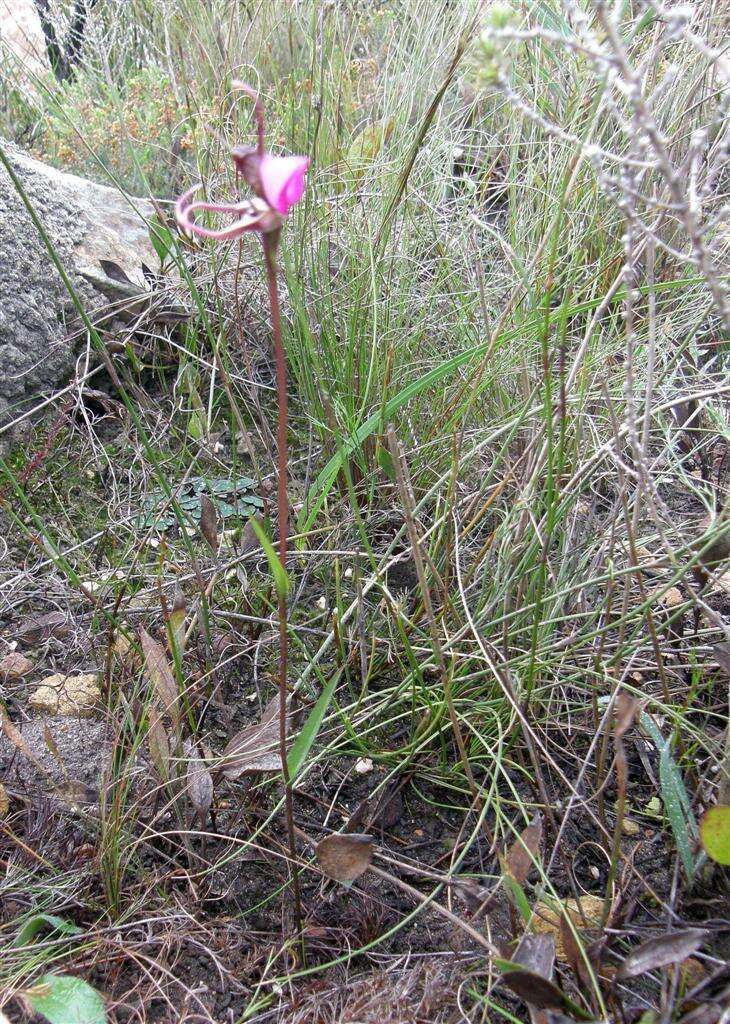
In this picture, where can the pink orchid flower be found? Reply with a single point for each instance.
(282, 180)
(277, 181)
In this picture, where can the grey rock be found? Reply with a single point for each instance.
(41, 335)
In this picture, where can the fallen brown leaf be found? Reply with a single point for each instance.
(535, 990)
(199, 782)
(159, 745)
(721, 654)
(671, 948)
(249, 538)
(161, 677)
(209, 521)
(536, 953)
(345, 857)
(523, 853)
(14, 666)
(40, 628)
(255, 748)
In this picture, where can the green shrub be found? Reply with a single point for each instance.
(137, 133)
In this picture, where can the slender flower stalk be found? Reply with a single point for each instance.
(270, 243)
(278, 183)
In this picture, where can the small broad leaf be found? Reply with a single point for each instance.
(160, 673)
(209, 521)
(161, 238)
(238, 483)
(40, 921)
(344, 857)
(534, 989)
(116, 273)
(666, 949)
(537, 954)
(159, 745)
(255, 748)
(199, 783)
(715, 834)
(176, 623)
(525, 850)
(63, 999)
(249, 537)
(541, 993)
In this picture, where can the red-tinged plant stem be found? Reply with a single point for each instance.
(270, 243)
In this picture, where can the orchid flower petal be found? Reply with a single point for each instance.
(282, 180)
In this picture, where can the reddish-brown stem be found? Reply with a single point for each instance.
(258, 109)
(270, 242)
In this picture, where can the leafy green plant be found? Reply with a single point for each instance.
(232, 498)
(676, 799)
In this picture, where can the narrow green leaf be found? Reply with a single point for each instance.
(277, 569)
(305, 739)
(517, 893)
(161, 238)
(676, 805)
